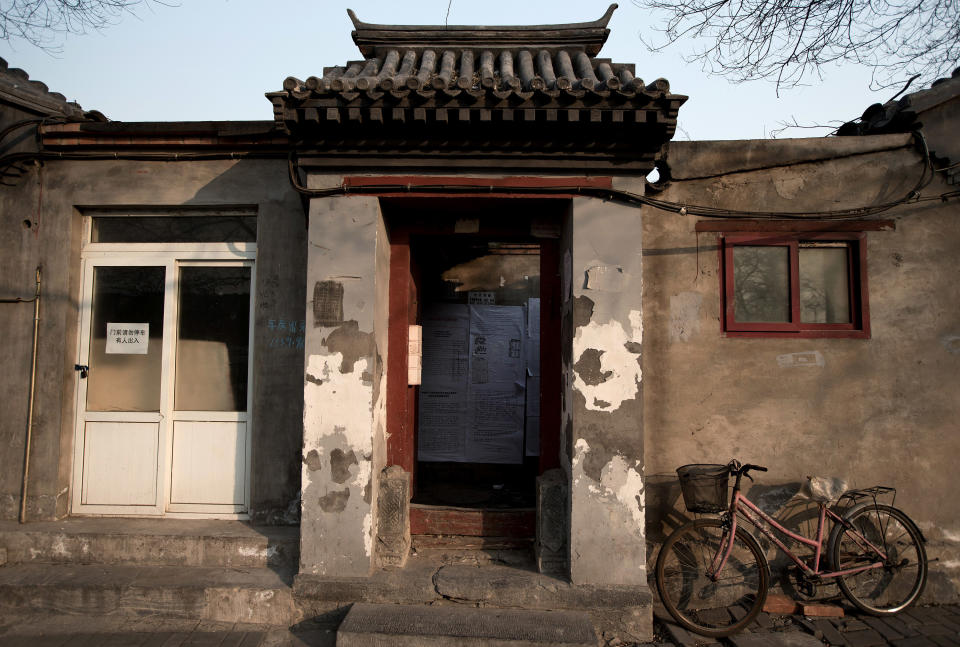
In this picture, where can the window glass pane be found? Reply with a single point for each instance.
(761, 283)
(824, 283)
(174, 229)
(213, 339)
(125, 373)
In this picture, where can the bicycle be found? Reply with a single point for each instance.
(713, 575)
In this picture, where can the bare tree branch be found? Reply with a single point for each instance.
(44, 23)
(789, 40)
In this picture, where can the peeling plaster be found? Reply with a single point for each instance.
(340, 403)
(624, 482)
(617, 364)
(621, 483)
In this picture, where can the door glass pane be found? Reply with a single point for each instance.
(213, 337)
(761, 283)
(125, 363)
(824, 283)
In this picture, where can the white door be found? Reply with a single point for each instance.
(163, 415)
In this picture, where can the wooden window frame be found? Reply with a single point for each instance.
(859, 326)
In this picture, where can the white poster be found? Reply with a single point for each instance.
(532, 423)
(533, 337)
(444, 347)
(472, 402)
(443, 417)
(128, 338)
(496, 432)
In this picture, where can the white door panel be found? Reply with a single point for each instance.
(120, 463)
(208, 462)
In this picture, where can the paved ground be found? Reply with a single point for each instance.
(45, 630)
(921, 627)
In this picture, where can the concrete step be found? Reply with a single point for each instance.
(397, 625)
(250, 595)
(161, 542)
(436, 578)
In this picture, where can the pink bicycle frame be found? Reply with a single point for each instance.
(743, 506)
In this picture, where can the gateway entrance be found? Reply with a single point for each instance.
(483, 304)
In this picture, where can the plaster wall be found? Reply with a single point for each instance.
(53, 241)
(602, 279)
(874, 411)
(342, 389)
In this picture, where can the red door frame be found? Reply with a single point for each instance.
(403, 311)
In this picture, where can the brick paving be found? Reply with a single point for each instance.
(46, 630)
(933, 626)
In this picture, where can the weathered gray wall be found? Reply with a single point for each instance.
(342, 383)
(876, 411)
(54, 242)
(604, 400)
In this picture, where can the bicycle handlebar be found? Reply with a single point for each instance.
(739, 470)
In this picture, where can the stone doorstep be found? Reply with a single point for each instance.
(250, 595)
(616, 611)
(415, 626)
(162, 542)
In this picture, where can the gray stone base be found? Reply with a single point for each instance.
(393, 517)
(553, 525)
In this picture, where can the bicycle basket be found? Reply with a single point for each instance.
(704, 487)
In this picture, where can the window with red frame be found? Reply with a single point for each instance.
(795, 284)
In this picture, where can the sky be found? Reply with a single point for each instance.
(204, 60)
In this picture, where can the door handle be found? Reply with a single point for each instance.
(83, 368)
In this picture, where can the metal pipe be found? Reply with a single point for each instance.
(33, 390)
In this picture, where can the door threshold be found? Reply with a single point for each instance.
(472, 522)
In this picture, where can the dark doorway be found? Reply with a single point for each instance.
(481, 279)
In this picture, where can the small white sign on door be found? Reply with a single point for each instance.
(127, 338)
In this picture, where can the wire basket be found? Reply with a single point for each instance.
(704, 487)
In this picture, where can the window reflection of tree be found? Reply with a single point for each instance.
(760, 278)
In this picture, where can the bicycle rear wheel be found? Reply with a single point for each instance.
(900, 581)
(711, 606)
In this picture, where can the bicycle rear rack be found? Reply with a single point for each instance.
(852, 497)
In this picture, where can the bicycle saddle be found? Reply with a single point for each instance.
(823, 489)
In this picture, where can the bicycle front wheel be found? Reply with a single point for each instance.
(896, 584)
(711, 606)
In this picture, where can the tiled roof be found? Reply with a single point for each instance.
(17, 87)
(917, 111)
(543, 74)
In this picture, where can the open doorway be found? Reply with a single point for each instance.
(481, 279)
(478, 432)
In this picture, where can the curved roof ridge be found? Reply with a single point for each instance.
(587, 36)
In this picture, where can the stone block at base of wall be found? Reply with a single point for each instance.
(552, 523)
(393, 517)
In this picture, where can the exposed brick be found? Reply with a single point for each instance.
(885, 629)
(830, 633)
(914, 641)
(868, 638)
(781, 604)
(897, 623)
(945, 641)
(822, 610)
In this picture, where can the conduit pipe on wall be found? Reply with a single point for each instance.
(33, 389)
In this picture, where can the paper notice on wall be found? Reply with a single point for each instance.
(443, 417)
(445, 360)
(532, 437)
(128, 338)
(533, 337)
(532, 424)
(496, 432)
(496, 345)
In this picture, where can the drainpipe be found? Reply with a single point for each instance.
(33, 388)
